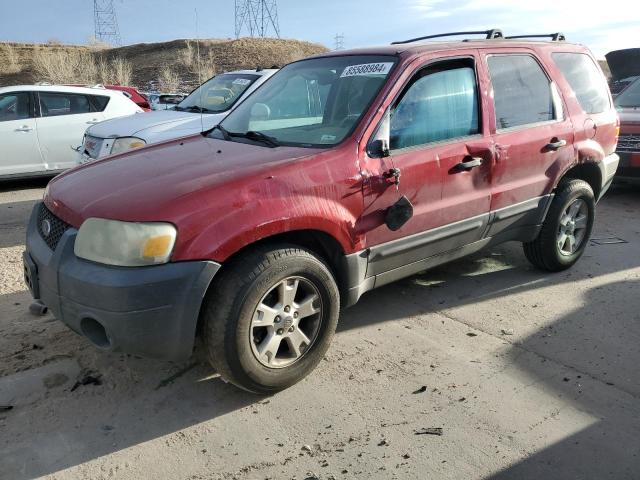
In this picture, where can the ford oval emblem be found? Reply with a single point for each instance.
(46, 227)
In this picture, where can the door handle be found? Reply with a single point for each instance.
(556, 144)
(24, 128)
(468, 163)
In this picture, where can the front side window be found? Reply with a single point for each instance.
(630, 97)
(14, 106)
(585, 79)
(56, 104)
(315, 102)
(440, 104)
(522, 91)
(218, 94)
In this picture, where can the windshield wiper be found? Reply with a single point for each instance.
(251, 135)
(192, 108)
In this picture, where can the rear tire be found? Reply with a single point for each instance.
(270, 317)
(566, 229)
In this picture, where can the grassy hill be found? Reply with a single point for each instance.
(177, 64)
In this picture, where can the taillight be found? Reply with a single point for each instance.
(615, 147)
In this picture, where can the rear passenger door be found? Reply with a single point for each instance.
(533, 138)
(63, 119)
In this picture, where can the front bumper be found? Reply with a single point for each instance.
(150, 311)
(629, 169)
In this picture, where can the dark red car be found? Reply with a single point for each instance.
(342, 173)
(133, 94)
(628, 105)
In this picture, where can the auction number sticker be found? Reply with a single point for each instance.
(367, 69)
(241, 81)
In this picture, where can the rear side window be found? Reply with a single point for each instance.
(522, 91)
(99, 102)
(14, 106)
(585, 79)
(56, 104)
(441, 104)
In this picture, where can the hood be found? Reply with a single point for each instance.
(624, 63)
(151, 124)
(163, 182)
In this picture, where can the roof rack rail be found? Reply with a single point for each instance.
(555, 37)
(490, 34)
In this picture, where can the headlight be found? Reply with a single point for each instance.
(126, 244)
(125, 144)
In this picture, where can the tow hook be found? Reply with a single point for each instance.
(38, 308)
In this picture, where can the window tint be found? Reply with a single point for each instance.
(55, 104)
(522, 91)
(585, 79)
(99, 102)
(14, 106)
(438, 106)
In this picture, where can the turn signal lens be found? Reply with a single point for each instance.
(158, 246)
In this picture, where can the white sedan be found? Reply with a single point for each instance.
(41, 125)
(204, 108)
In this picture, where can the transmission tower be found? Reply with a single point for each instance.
(257, 17)
(339, 39)
(106, 22)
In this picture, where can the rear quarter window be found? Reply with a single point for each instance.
(586, 81)
(99, 102)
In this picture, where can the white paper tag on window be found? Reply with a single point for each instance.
(241, 81)
(367, 69)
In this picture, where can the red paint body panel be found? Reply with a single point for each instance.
(134, 96)
(223, 196)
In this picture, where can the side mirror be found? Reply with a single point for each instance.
(398, 214)
(378, 149)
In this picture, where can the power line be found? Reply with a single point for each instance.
(256, 17)
(339, 41)
(106, 22)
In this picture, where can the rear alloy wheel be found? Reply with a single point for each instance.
(566, 229)
(270, 317)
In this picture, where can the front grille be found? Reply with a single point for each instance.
(55, 226)
(629, 143)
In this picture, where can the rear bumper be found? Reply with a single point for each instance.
(149, 311)
(608, 168)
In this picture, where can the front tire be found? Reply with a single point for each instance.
(270, 317)
(566, 229)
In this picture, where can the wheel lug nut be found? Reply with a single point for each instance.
(277, 319)
(280, 331)
(287, 309)
(295, 314)
(290, 329)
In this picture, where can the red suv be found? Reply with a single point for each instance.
(342, 173)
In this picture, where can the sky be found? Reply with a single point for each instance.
(601, 25)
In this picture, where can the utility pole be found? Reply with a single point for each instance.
(256, 17)
(339, 39)
(106, 22)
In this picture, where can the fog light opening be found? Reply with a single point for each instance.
(95, 332)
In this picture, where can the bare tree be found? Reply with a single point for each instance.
(122, 71)
(168, 80)
(12, 60)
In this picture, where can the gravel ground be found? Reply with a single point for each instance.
(528, 375)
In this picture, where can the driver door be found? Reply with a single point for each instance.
(436, 141)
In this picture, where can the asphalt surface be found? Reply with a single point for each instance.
(528, 375)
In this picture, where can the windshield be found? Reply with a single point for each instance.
(315, 102)
(630, 97)
(218, 94)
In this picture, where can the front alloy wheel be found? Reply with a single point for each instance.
(269, 317)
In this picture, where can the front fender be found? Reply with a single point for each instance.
(266, 218)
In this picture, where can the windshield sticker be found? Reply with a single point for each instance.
(367, 69)
(241, 81)
(327, 138)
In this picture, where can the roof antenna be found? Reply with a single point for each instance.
(199, 72)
